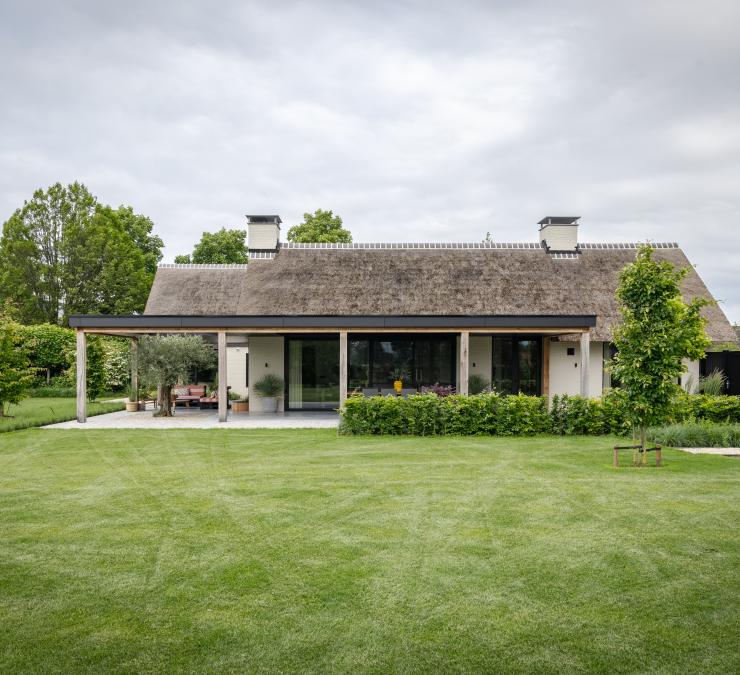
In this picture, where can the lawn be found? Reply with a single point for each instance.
(34, 412)
(301, 551)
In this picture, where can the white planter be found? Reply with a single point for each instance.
(269, 404)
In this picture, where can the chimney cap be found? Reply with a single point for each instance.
(559, 220)
(264, 219)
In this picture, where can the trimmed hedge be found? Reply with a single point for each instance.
(492, 414)
(432, 415)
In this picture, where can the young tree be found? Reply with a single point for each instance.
(16, 374)
(321, 227)
(166, 360)
(222, 247)
(657, 332)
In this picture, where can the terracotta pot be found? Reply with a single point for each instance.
(398, 386)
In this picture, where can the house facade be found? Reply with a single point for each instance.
(333, 319)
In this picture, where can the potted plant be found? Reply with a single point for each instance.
(398, 376)
(268, 389)
(240, 405)
(132, 405)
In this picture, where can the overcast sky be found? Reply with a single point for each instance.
(415, 121)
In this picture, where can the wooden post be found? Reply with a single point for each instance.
(585, 362)
(658, 454)
(223, 395)
(546, 366)
(81, 376)
(616, 456)
(464, 362)
(342, 367)
(135, 366)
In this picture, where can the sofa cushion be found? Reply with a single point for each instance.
(197, 391)
(182, 391)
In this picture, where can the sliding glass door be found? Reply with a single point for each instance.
(418, 361)
(516, 364)
(313, 373)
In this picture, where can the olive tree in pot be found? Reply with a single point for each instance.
(166, 360)
(268, 389)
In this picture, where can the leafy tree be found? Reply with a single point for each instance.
(166, 360)
(139, 228)
(95, 380)
(116, 362)
(63, 252)
(321, 227)
(222, 247)
(50, 348)
(657, 332)
(16, 374)
(104, 272)
(32, 250)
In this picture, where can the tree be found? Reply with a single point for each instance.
(222, 247)
(105, 272)
(63, 252)
(139, 228)
(50, 348)
(321, 227)
(166, 360)
(32, 250)
(16, 374)
(657, 332)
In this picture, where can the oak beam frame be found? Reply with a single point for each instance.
(342, 367)
(81, 377)
(464, 362)
(135, 367)
(223, 395)
(585, 355)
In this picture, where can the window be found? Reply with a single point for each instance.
(375, 361)
(516, 365)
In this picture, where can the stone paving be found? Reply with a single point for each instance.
(206, 419)
(727, 452)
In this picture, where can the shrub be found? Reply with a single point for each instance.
(269, 386)
(713, 384)
(704, 407)
(477, 384)
(429, 414)
(576, 415)
(697, 435)
(498, 415)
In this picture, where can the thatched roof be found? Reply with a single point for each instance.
(410, 280)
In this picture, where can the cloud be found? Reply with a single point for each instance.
(414, 121)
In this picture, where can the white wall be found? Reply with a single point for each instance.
(692, 372)
(480, 356)
(236, 370)
(565, 371)
(269, 350)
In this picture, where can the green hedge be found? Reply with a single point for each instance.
(430, 415)
(492, 414)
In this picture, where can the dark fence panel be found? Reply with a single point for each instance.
(729, 364)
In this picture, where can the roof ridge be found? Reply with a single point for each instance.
(461, 245)
(203, 266)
